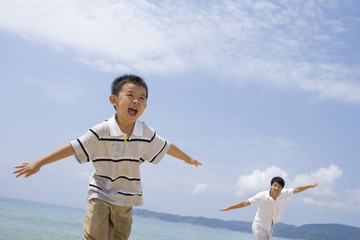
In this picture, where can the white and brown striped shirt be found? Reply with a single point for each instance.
(117, 160)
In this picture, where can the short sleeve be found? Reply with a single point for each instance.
(255, 199)
(156, 149)
(84, 145)
(287, 192)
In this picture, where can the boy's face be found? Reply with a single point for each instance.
(276, 189)
(130, 102)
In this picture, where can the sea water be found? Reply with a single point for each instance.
(25, 220)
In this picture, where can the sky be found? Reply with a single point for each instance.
(253, 89)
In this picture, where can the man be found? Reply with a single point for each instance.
(271, 205)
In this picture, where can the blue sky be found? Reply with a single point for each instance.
(253, 89)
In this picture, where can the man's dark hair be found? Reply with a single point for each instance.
(127, 78)
(279, 180)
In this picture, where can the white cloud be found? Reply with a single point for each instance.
(327, 176)
(327, 81)
(284, 44)
(328, 194)
(200, 188)
(327, 183)
(258, 180)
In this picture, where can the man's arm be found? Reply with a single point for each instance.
(241, 204)
(28, 169)
(303, 188)
(178, 153)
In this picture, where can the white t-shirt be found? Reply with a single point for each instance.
(270, 210)
(116, 179)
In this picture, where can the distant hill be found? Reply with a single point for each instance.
(318, 231)
(308, 231)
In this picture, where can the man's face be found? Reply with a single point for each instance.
(275, 189)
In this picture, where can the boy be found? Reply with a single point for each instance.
(116, 147)
(271, 205)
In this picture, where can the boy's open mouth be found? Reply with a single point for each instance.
(132, 111)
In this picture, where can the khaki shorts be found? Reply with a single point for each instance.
(107, 221)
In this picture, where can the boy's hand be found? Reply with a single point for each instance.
(178, 153)
(193, 162)
(27, 169)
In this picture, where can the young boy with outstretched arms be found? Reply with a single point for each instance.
(271, 205)
(116, 148)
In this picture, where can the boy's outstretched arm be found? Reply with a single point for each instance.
(303, 188)
(178, 153)
(28, 169)
(241, 204)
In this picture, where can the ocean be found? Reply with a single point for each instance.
(26, 220)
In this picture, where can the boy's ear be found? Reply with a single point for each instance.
(112, 99)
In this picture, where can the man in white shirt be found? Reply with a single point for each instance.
(271, 205)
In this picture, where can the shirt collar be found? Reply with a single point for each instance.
(267, 195)
(115, 130)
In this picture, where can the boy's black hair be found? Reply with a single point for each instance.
(279, 180)
(119, 82)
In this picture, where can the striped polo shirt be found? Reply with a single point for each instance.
(117, 160)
